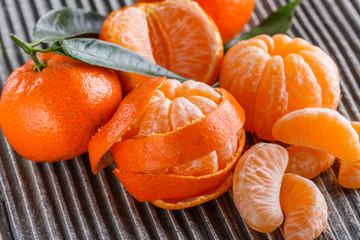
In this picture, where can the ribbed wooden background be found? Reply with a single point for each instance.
(66, 201)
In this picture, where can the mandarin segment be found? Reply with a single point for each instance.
(256, 186)
(319, 128)
(176, 34)
(308, 162)
(304, 207)
(272, 76)
(349, 173)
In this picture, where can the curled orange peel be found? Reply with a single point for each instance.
(156, 186)
(176, 204)
(124, 117)
(194, 140)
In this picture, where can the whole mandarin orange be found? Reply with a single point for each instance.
(52, 114)
(230, 16)
(272, 76)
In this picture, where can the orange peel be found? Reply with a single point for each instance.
(176, 204)
(152, 186)
(115, 128)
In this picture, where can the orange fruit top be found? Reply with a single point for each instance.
(183, 142)
(271, 76)
(256, 186)
(319, 128)
(304, 207)
(176, 34)
(51, 115)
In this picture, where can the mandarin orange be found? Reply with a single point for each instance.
(272, 76)
(181, 142)
(51, 115)
(256, 186)
(176, 34)
(304, 207)
(319, 128)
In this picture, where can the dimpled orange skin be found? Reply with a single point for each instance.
(272, 76)
(230, 16)
(51, 115)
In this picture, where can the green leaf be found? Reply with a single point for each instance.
(277, 22)
(109, 55)
(67, 22)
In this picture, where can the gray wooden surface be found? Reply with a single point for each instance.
(66, 201)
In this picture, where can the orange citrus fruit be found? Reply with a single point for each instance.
(176, 34)
(230, 16)
(272, 76)
(179, 141)
(349, 174)
(304, 207)
(308, 162)
(320, 128)
(256, 186)
(51, 115)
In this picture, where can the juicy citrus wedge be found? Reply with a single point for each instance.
(155, 186)
(176, 34)
(319, 128)
(304, 207)
(125, 115)
(256, 186)
(349, 174)
(203, 135)
(308, 162)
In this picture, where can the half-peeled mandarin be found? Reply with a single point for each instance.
(175, 34)
(182, 143)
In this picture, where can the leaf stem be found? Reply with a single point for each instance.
(28, 49)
